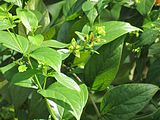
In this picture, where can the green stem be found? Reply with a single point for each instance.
(50, 109)
(45, 74)
(95, 106)
(15, 35)
(45, 81)
(76, 76)
(36, 78)
(40, 87)
(10, 7)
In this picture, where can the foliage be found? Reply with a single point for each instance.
(79, 59)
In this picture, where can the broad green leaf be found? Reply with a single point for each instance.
(24, 79)
(15, 94)
(154, 50)
(16, 2)
(114, 29)
(7, 67)
(39, 6)
(153, 116)
(37, 107)
(88, 5)
(64, 53)
(28, 19)
(55, 10)
(3, 83)
(54, 44)
(102, 4)
(67, 6)
(102, 68)
(124, 101)
(9, 71)
(75, 99)
(3, 14)
(17, 43)
(90, 11)
(65, 32)
(48, 56)
(59, 111)
(148, 37)
(6, 24)
(144, 6)
(92, 14)
(36, 40)
(80, 62)
(115, 11)
(75, 10)
(66, 81)
(153, 73)
(68, 29)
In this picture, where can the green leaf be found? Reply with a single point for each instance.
(3, 14)
(66, 81)
(64, 53)
(24, 79)
(88, 5)
(102, 68)
(75, 10)
(15, 94)
(37, 107)
(7, 67)
(55, 10)
(114, 29)
(90, 11)
(17, 43)
(153, 73)
(6, 24)
(154, 50)
(144, 6)
(16, 2)
(58, 110)
(124, 101)
(39, 6)
(66, 32)
(67, 6)
(76, 99)
(54, 44)
(35, 41)
(48, 56)
(28, 19)
(92, 14)
(148, 37)
(153, 116)
(115, 11)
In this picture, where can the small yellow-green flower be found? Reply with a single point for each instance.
(22, 68)
(101, 30)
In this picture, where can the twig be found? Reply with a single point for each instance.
(95, 106)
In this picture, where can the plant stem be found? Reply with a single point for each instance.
(45, 81)
(45, 74)
(40, 87)
(76, 76)
(36, 78)
(50, 109)
(95, 106)
(16, 40)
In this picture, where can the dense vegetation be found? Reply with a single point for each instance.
(79, 59)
